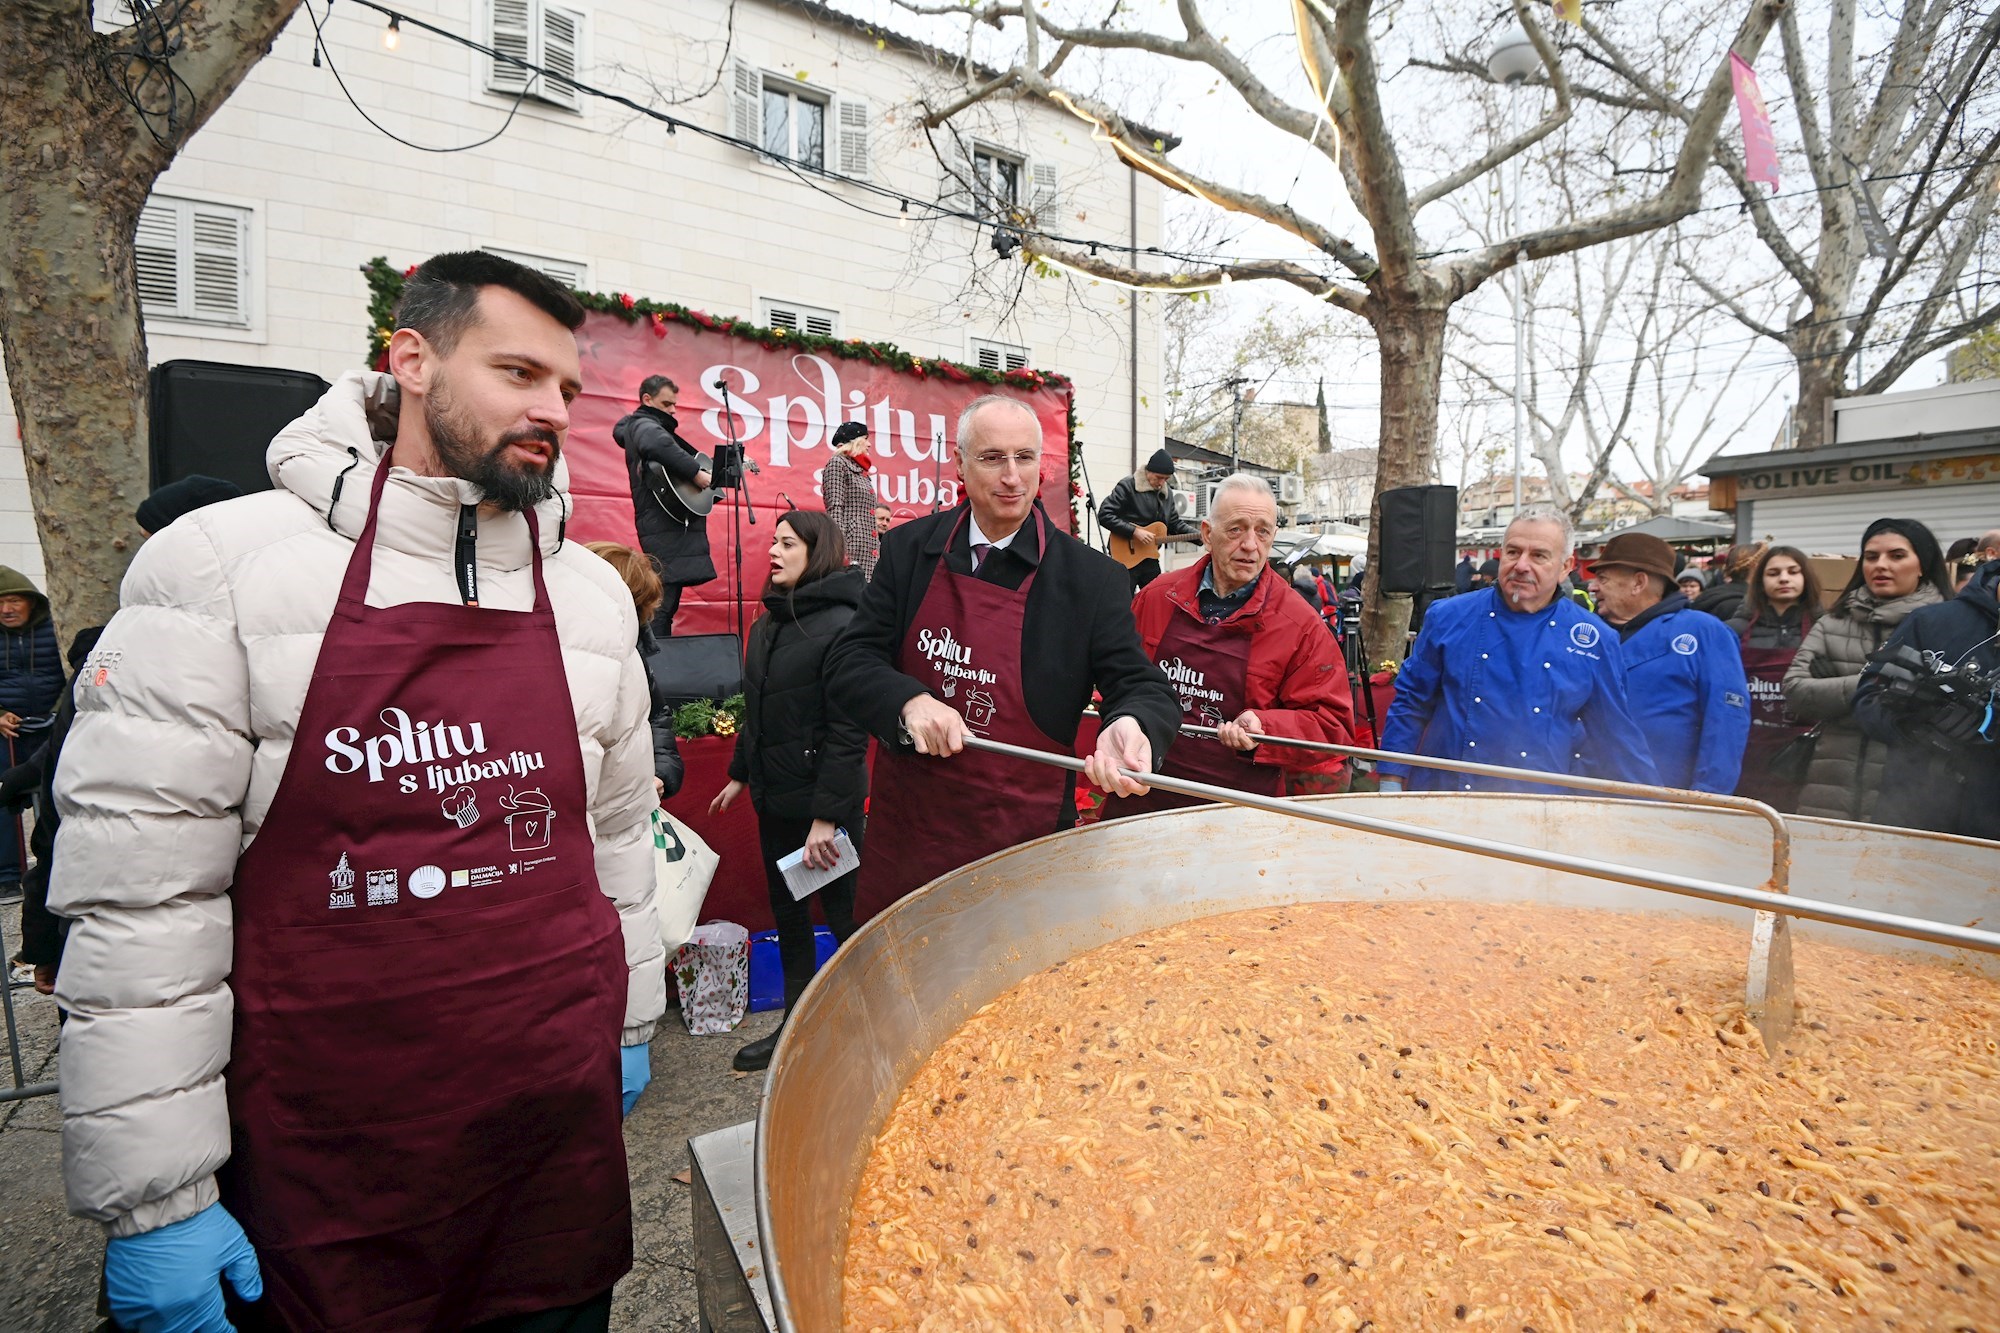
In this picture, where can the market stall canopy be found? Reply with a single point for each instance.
(1678, 531)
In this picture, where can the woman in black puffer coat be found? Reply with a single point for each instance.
(806, 769)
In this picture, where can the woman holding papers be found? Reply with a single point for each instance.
(805, 768)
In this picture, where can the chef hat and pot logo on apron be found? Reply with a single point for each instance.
(529, 819)
(529, 815)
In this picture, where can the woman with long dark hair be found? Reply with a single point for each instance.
(804, 766)
(1780, 604)
(1901, 569)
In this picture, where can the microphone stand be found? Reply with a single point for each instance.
(1091, 534)
(937, 470)
(738, 621)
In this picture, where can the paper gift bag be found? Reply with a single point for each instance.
(713, 972)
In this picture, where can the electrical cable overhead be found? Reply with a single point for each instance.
(812, 174)
(320, 49)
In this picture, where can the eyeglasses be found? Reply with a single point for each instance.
(993, 461)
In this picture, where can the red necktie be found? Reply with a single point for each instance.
(979, 550)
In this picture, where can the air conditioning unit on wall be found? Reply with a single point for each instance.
(1291, 489)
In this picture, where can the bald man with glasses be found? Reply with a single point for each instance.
(988, 620)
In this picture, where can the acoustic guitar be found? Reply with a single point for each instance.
(683, 500)
(1129, 553)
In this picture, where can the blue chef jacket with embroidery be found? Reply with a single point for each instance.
(1685, 686)
(1542, 690)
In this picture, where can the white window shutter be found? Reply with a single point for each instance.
(989, 357)
(156, 247)
(854, 117)
(218, 269)
(562, 48)
(746, 103)
(1045, 184)
(513, 35)
(1016, 360)
(819, 326)
(784, 318)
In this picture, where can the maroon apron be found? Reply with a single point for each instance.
(1209, 668)
(928, 816)
(424, 1089)
(1772, 725)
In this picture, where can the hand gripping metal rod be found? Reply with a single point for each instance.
(1770, 999)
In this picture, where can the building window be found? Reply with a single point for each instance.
(548, 37)
(794, 124)
(568, 272)
(795, 318)
(194, 262)
(785, 119)
(996, 179)
(989, 355)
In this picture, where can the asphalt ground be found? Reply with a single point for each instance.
(49, 1260)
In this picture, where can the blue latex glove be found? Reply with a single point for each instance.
(635, 1070)
(166, 1281)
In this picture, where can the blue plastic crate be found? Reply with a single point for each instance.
(767, 975)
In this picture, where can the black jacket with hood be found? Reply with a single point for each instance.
(801, 759)
(680, 546)
(31, 665)
(1945, 789)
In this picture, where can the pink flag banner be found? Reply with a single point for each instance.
(1760, 149)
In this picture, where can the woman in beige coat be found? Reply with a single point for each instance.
(1901, 569)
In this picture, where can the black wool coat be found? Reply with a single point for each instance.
(800, 759)
(1925, 785)
(679, 547)
(1077, 633)
(1128, 507)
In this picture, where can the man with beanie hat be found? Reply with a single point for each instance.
(185, 496)
(1141, 509)
(1684, 680)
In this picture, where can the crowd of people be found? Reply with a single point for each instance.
(1877, 703)
(343, 839)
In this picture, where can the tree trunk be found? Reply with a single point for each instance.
(1821, 372)
(70, 326)
(79, 161)
(1410, 339)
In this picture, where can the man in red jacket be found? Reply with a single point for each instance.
(1245, 655)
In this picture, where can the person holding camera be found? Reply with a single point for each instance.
(1901, 571)
(1932, 697)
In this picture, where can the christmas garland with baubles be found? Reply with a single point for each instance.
(385, 288)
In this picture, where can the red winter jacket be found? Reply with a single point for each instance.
(1298, 679)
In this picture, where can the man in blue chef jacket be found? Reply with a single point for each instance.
(1684, 677)
(1515, 675)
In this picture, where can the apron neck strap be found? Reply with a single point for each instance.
(360, 565)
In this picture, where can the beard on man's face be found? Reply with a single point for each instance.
(511, 487)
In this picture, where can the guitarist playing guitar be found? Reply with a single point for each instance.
(670, 496)
(1139, 514)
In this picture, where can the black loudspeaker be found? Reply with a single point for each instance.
(697, 666)
(1419, 538)
(217, 420)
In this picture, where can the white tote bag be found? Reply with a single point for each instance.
(683, 867)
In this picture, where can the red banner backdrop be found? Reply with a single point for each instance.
(785, 403)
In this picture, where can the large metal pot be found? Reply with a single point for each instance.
(907, 981)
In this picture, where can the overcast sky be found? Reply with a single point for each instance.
(1224, 139)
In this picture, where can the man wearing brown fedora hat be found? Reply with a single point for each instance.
(1684, 680)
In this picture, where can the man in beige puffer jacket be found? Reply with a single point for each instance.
(186, 719)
